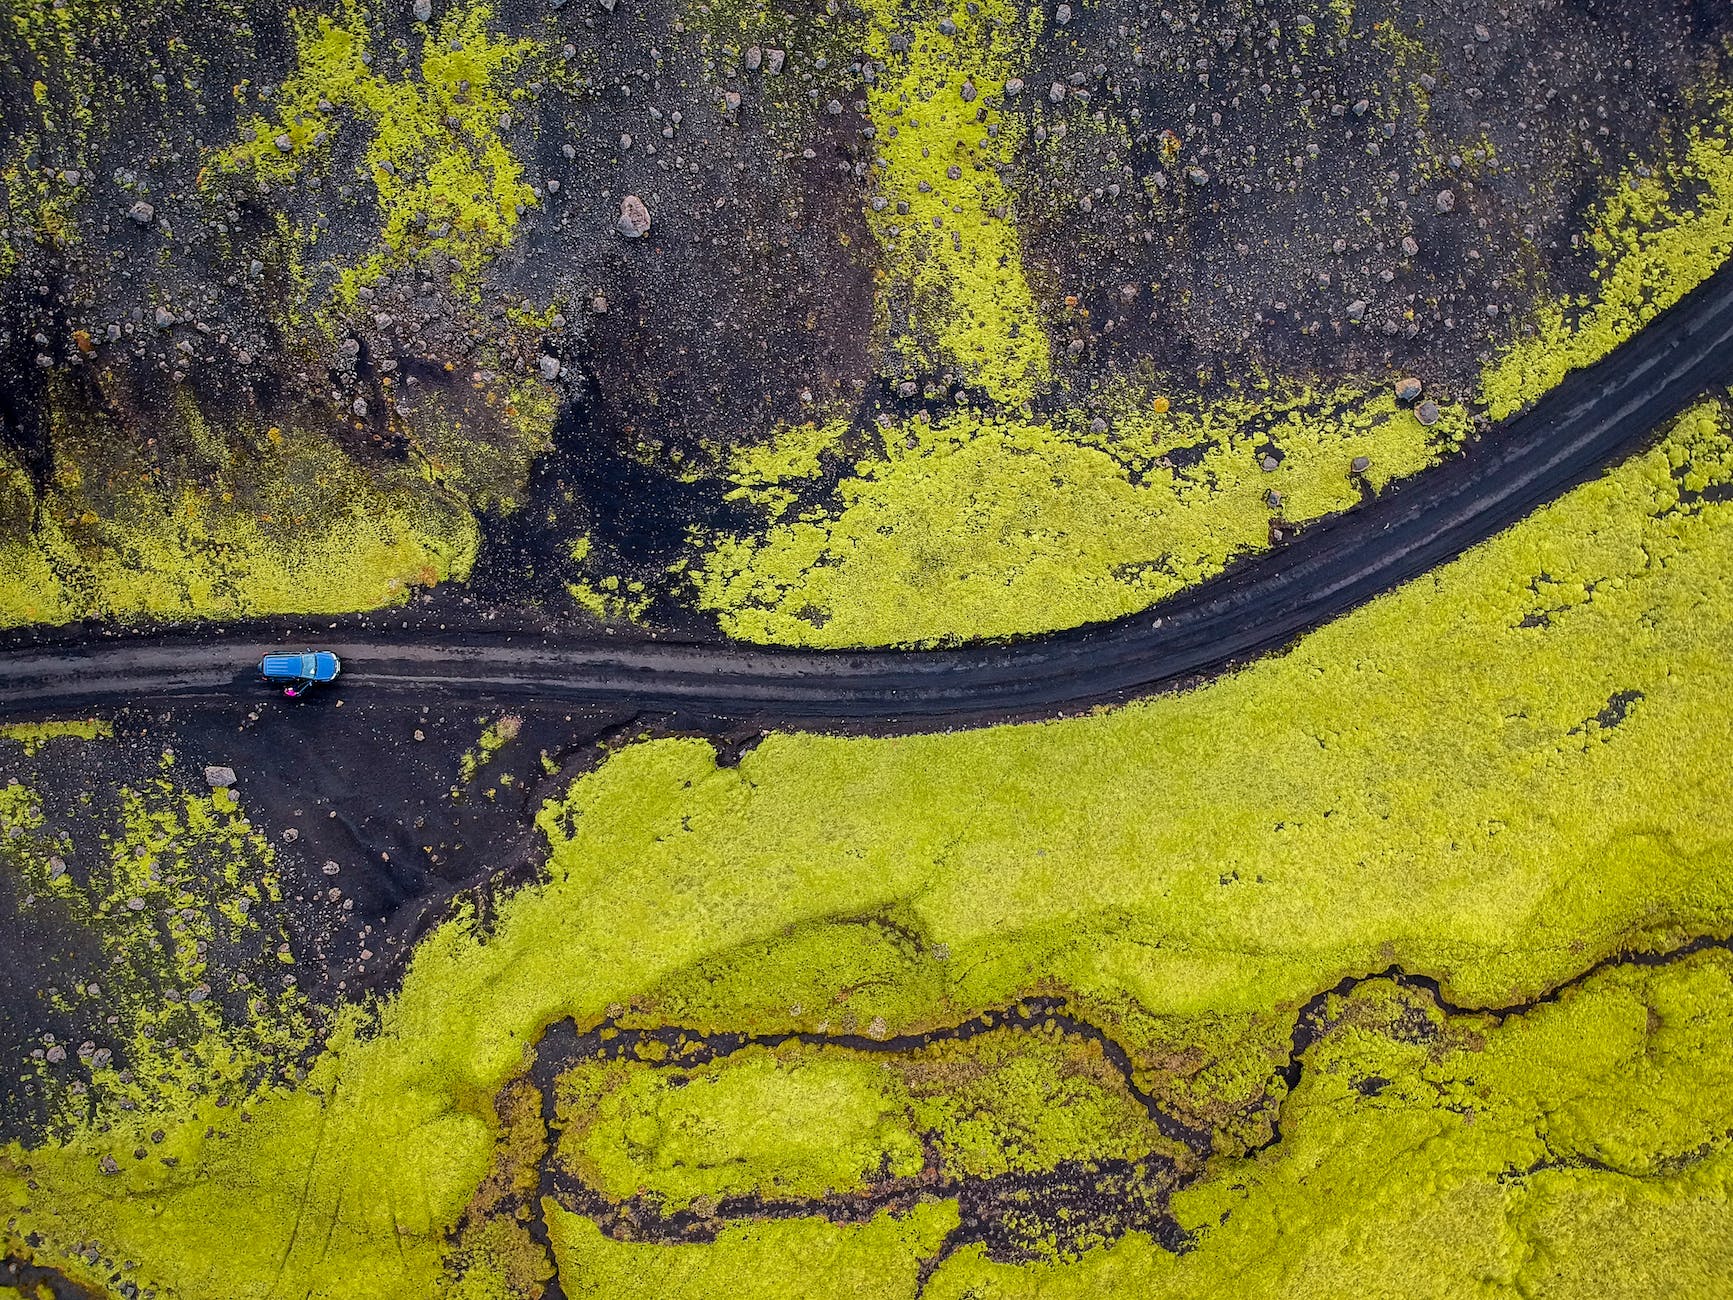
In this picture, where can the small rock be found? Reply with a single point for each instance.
(1360, 107)
(135, 904)
(1446, 201)
(1013, 88)
(625, 140)
(107, 1165)
(1409, 246)
(1357, 310)
(773, 60)
(1197, 175)
(56, 1054)
(1056, 92)
(284, 142)
(1407, 389)
(1360, 464)
(291, 835)
(1427, 413)
(164, 318)
(1062, 15)
(359, 406)
(219, 778)
(1098, 425)
(1481, 34)
(56, 867)
(142, 213)
(331, 868)
(1428, 82)
(422, 10)
(953, 172)
(947, 27)
(968, 92)
(199, 993)
(550, 367)
(1269, 464)
(1273, 499)
(754, 58)
(634, 220)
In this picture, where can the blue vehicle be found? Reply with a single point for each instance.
(299, 671)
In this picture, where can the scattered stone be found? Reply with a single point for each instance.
(1361, 464)
(56, 1054)
(968, 92)
(550, 367)
(164, 318)
(947, 27)
(56, 867)
(142, 213)
(1360, 107)
(1056, 92)
(199, 993)
(1013, 88)
(1062, 15)
(291, 835)
(1481, 34)
(359, 407)
(135, 904)
(219, 778)
(1407, 389)
(1098, 425)
(1357, 310)
(1273, 499)
(331, 868)
(1428, 82)
(634, 220)
(1409, 246)
(773, 60)
(754, 58)
(285, 142)
(1197, 175)
(1269, 464)
(1446, 201)
(1427, 413)
(422, 10)
(107, 1165)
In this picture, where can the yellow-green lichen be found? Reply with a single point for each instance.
(445, 179)
(782, 1124)
(34, 735)
(1579, 1150)
(810, 1258)
(1655, 238)
(953, 295)
(1438, 781)
(290, 524)
(978, 526)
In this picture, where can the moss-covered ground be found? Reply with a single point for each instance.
(1504, 784)
(986, 523)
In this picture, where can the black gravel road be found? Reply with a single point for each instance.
(1594, 418)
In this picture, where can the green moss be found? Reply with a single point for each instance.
(444, 178)
(956, 297)
(1655, 238)
(785, 1124)
(1578, 1150)
(34, 735)
(290, 524)
(174, 882)
(979, 526)
(494, 737)
(1437, 780)
(808, 1258)
(987, 525)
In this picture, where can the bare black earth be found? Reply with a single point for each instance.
(1593, 418)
